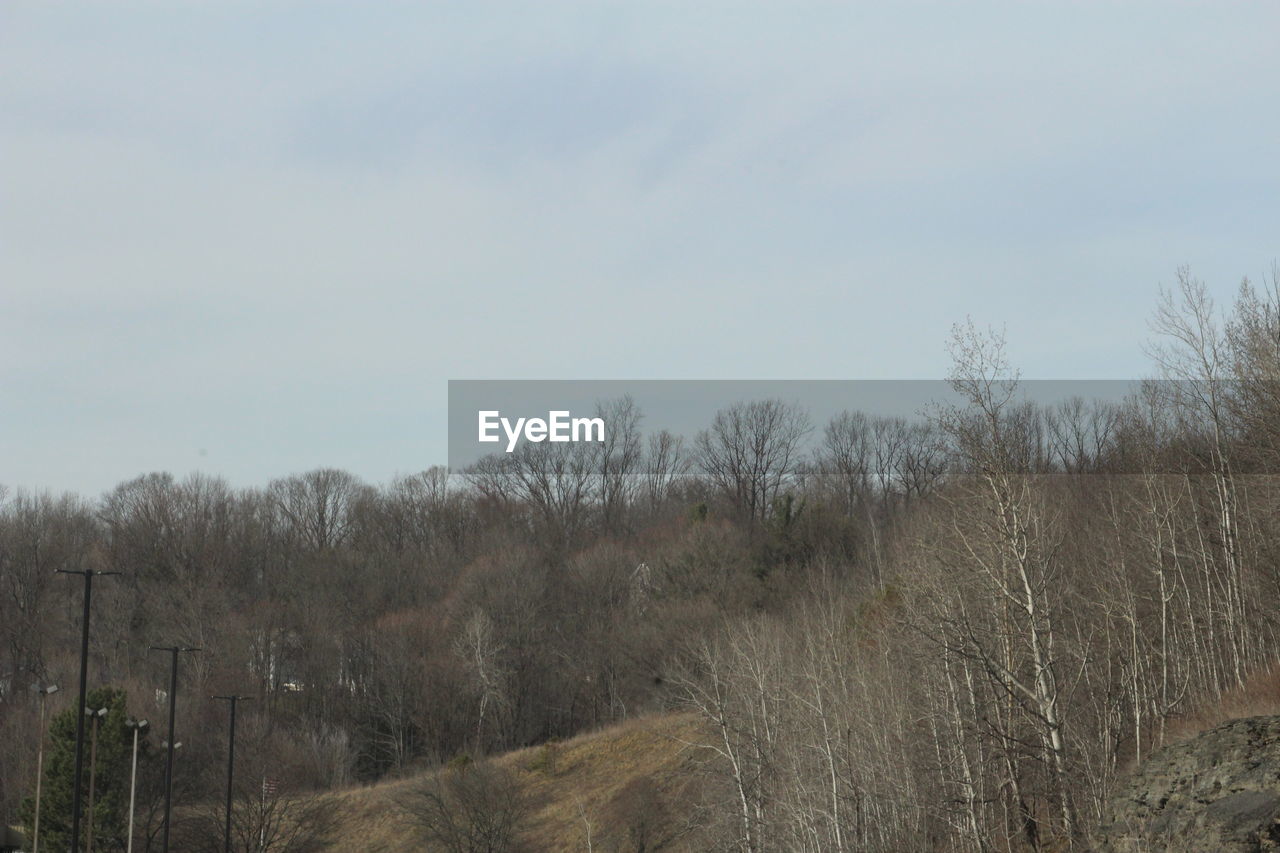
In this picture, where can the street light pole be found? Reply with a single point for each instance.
(45, 691)
(231, 762)
(96, 716)
(88, 575)
(168, 767)
(137, 726)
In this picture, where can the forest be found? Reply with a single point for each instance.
(952, 633)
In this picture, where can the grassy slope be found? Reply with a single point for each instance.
(576, 778)
(583, 776)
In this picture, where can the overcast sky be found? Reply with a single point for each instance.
(257, 238)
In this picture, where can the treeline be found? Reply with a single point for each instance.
(948, 634)
(1072, 584)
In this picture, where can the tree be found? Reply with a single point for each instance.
(752, 452)
(618, 460)
(1193, 351)
(481, 653)
(268, 819)
(1005, 552)
(319, 505)
(111, 779)
(666, 464)
(474, 807)
(1254, 338)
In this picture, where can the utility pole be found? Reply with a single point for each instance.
(45, 691)
(168, 767)
(88, 575)
(231, 762)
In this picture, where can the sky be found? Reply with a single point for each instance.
(253, 239)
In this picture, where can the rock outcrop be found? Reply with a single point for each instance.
(1216, 793)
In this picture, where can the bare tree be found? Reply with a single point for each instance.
(1192, 351)
(553, 480)
(666, 464)
(481, 652)
(618, 460)
(752, 452)
(319, 505)
(845, 456)
(267, 819)
(477, 807)
(1006, 545)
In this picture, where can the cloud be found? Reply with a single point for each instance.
(275, 230)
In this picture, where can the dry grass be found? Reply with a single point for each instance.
(576, 785)
(1260, 696)
(571, 785)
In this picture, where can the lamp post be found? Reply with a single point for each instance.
(231, 762)
(44, 691)
(138, 726)
(88, 575)
(168, 767)
(96, 716)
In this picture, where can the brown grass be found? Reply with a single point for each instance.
(570, 784)
(1260, 696)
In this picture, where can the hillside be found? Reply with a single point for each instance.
(632, 786)
(620, 782)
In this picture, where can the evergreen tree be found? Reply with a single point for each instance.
(111, 779)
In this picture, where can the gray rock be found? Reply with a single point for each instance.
(1216, 793)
